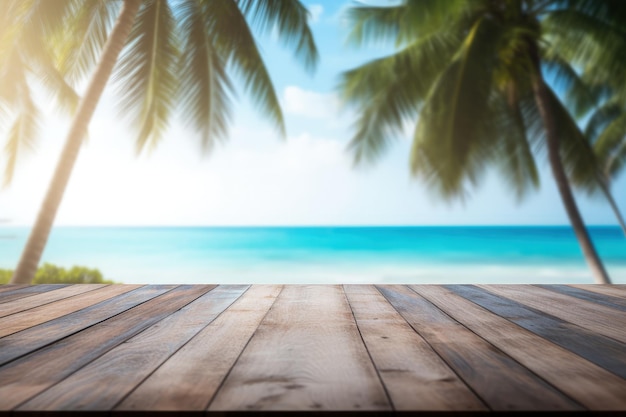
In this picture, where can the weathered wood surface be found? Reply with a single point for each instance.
(14, 292)
(312, 347)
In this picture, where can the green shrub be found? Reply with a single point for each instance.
(52, 274)
(5, 276)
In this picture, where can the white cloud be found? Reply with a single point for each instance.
(310, 103)
(307, 153)
(315, 11)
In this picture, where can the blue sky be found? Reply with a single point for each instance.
(255, 178)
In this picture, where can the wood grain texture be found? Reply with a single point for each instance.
(26, 377)
(191, 348)
(602, 299)
(601, 350)
(501, 382)
(416, 378)
(32, 374)
(589, 384)
(306, 354)
(27, 291)
(591, 316)
(613, 290)
(189, 379)
(46, 298)
(33, 338)
(11, 287)
(103, 383)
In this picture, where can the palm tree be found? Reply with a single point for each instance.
(472, 71)
(176, 53)
(606, 132)
(601, 94)
(597, 48)
(23, 56)
(610, 147)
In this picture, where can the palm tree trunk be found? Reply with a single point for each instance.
(36, 243)
(609, 197)
(542, 99)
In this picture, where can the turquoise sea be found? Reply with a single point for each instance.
(327, 254)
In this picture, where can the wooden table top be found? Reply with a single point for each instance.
(312, 347)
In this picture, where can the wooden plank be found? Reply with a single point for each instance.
(28, 376)
(416, 378)
(597, 318)
(502, 383)
(38, 300)
(103, 383)
(11, 287)
(21, 321)
(33, 338)
(188, 380)
(611, 290)
(307, 354)
(28, 290)
(601, 350)
(589, 384)
(602, 299)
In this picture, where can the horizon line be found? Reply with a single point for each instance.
(310, 225)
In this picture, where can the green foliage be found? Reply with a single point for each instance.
(5, 276)
(52, 274)
(458, 110)
(180, 56)
(465, 70)
(606, 134)
(177, 59)
(77, 51)
(592, 35)
(148, 72)
(611, 147)
(24, 55)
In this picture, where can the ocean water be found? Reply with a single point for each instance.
(348, 255)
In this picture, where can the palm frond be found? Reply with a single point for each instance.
(600, 119)
(616, 163)
(512, 153)
(32, 24)
(13, 72)
(579, 160)
(388, 91)
(580, 97)
(23, 53)
(234, 38)
(41, 17)
(46, 16)
(31, 41)
(610, 11)
(403, 23)
(291, 19)
(147, 72)
(204, 85)
(535, 129)
(50, 77)
(378, 24)
(79, 46)
(11, 25)
(610, 144)
(452, 126)
(22, 135)
(589, 41)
